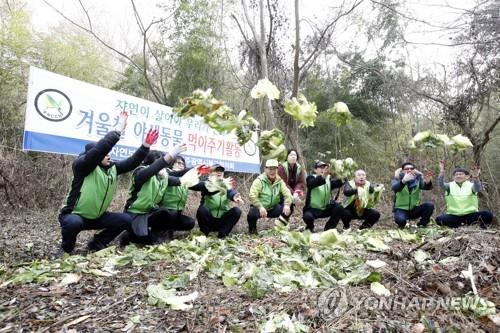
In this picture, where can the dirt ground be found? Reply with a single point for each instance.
(119, 304)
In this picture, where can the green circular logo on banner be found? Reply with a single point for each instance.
(53, 105)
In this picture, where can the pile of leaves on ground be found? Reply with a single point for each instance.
(273, 282)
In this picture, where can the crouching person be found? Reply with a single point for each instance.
(319, 203)
(359, 199)
(269, 196)
(407, 184)
(146, 191)
(92, 189)
(175, 198)
(214, 213)
(462, 206)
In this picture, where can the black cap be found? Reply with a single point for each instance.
(407, 163)
(319, 164)
(217, 167)
(89, 146)
(460, 170)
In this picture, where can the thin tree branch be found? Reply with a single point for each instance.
(250, 24)
(242, 32)
(326, 30)
(271, 20)
(486, 135)
(153, 53)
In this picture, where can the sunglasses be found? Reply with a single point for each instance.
(409, 168)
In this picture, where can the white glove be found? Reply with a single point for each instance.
(379, 188)
(407, 177)
(122, 122)
(178, 150)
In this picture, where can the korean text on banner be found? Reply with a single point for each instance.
(64, 114)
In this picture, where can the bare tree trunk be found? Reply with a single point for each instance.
(261, 44)
(289, 124)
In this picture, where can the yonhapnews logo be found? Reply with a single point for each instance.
(53, 105)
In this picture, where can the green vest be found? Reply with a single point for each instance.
(285, 167)
(270, 193)
(406, 200)
(350, 199)
(461, 200)
(217, 203)
(149, 196)
(175, 198)
(321, 195)
(96, 193)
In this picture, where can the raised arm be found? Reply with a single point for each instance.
(142, 175)
(397, 182)
(348, 190)
(314, 181)
(87, 162)
(476, 183)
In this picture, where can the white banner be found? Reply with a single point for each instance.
(63, 114)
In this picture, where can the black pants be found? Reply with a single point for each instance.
(424, 211)
(111, 223)
(222, 225)
(483, 217)
(333, 211)
(254, 215)
(159, 220)
(370, 217)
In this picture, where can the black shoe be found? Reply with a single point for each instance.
(169, 235)
(59, 254)
(346, 226)
(329, 225)
(252, 231)
(124, 240)
(364, 226)
(95, 245)
(421, 225)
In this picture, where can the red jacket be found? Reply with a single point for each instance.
(294, 181)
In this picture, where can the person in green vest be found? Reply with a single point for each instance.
(269, 196)
(319, 201)
(360, 196)
(174, 199)
(407, 184)
(294, 177)
(462, 206)
(92, 189)
(146, 190)
(214, 214)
